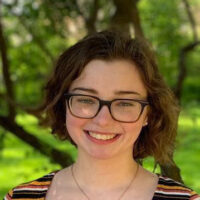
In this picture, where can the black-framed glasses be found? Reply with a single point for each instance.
(122, 110)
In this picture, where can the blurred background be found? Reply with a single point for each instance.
(33, 33)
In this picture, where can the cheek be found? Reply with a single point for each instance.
(74, 125)
(133, 130)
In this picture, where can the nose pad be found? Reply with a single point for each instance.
(103, 116)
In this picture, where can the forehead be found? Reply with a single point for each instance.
(109, 76)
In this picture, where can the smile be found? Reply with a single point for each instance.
(101, 136)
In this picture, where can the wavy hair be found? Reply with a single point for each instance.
(158, 137)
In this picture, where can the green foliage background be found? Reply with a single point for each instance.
(165, 24)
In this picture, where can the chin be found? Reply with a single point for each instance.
(101, 155)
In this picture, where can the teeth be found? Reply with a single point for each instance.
(101, 137)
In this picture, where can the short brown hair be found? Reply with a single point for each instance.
(157, 139)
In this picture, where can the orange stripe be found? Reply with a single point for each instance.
(173, 188)
(32, 186)
(35, 183)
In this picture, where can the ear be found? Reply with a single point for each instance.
(145, 123)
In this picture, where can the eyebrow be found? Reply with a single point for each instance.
(85, 90)
(120, 92)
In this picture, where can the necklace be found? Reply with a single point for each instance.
(123, 193)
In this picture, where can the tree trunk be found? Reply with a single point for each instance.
(127, 14)
(6, 72)
(191, 19)
(56, 156)
(182, 68)
(91, 21)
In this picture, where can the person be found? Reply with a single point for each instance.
(108, 98)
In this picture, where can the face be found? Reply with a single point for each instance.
(107, 80)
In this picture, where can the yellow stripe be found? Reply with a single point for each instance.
(193, 193)
(173, 187)
(37, 183)
(10, 193)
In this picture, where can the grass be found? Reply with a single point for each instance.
(188, 148)
(21, 163)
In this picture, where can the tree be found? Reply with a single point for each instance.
(184, 51)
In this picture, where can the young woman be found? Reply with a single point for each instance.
(107, 97)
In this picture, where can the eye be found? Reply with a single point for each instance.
(85, 100)
(125, 104)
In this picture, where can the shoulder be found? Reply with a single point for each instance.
(168, 188)
(36, 189)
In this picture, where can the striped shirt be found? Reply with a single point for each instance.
(37, 190)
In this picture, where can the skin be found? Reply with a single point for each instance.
(111, 165)
(126, 78)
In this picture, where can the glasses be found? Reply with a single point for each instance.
(122, 110)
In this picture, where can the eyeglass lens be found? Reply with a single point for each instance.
(121, 110)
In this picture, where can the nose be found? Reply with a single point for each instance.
(103, 117)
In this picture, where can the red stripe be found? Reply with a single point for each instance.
(8, 197)
(196, 196)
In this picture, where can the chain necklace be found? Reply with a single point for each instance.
(123, 193)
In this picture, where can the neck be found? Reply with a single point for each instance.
(97, 174)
